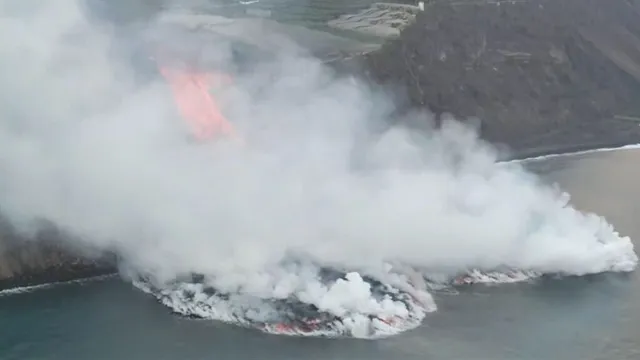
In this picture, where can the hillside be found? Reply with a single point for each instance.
(542, 75)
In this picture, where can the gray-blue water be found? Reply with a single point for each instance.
(587, 318)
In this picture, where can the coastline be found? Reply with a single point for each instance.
(46, 279)
(539, 98)
(81, 269)
(58, 266)
(47, 257)
(543, 76)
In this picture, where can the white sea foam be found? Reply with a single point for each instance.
(576, 153)
(32, 288)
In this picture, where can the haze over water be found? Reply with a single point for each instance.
(595, 317)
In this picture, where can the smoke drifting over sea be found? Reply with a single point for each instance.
(107, 159)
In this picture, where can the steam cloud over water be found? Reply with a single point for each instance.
(108, 160)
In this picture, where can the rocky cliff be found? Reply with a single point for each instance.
(542, 75)
(45, 257)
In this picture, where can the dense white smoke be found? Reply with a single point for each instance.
(82, 146)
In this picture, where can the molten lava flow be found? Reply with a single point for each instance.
(198, 107)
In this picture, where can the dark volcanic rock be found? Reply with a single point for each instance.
(47, 257)
(542, 75)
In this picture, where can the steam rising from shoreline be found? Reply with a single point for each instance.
(82, 146)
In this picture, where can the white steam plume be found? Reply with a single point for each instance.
(84, 147)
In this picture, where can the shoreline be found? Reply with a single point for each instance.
(542, 75)
(64, 274)
(44, 286)
(572, 150)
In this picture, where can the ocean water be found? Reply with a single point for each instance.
(586, 318)
(595, 317)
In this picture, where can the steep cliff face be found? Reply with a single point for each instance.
(46, 257)
(540, 74)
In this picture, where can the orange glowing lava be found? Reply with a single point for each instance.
(196, 104)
